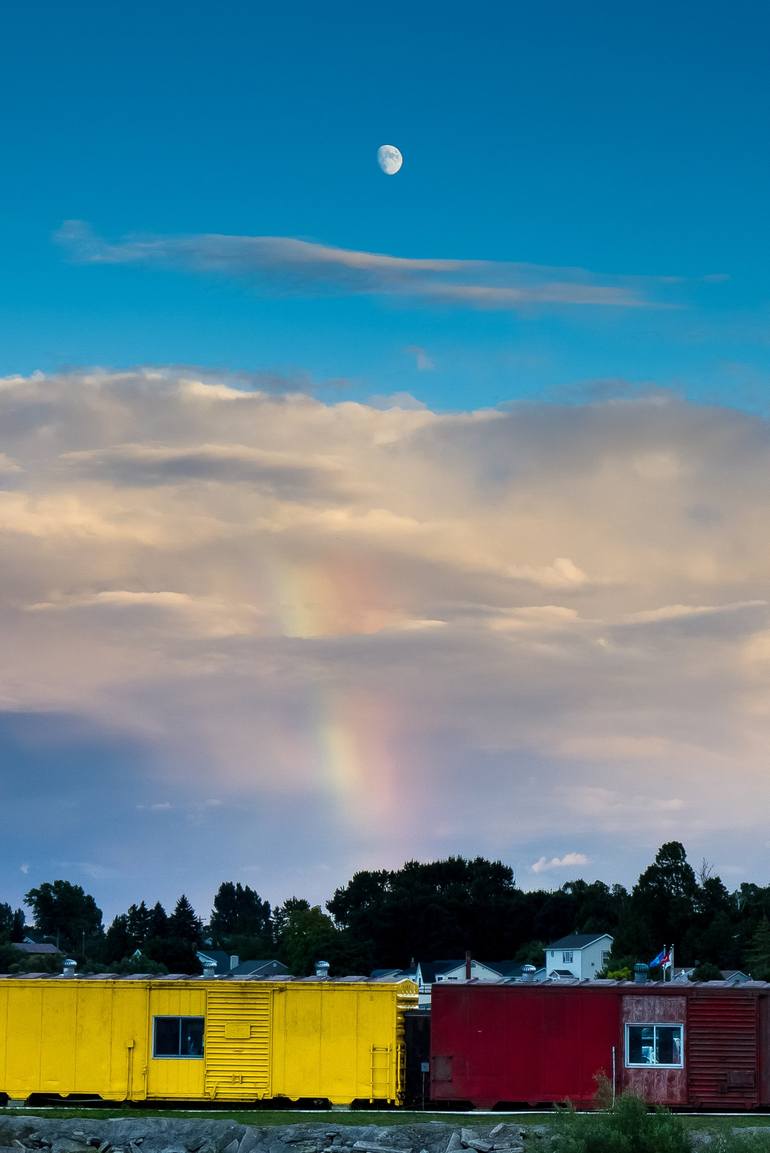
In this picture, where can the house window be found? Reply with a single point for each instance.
(178, 1037)
(660, 1045)
(566, 957)
(605, 958)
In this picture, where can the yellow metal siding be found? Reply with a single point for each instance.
(238, 1036)
(175, 1078)
(63, 1036)
(337, 1040)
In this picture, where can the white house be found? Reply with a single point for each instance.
(428, 974)
(580, 955)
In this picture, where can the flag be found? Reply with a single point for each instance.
(668, 960)
(661, 958)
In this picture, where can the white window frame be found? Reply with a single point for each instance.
(655, 1025)
(567, 957)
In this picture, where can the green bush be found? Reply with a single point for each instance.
(628, 1127)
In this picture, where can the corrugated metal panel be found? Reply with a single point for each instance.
(721, 1048)
(527, 1044)
(237, 1047)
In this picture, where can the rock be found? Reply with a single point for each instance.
(370, 1147)
(454, 1144)
(69, 1145)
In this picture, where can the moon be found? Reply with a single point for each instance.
(389, 159)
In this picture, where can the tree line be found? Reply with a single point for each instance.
(422, 911)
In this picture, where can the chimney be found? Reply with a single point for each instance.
(322, 970)
(640, 973)
(69, 968)
(467, 965)
(528, 973)
(235, 961)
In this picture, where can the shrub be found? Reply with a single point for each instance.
(628, 1127)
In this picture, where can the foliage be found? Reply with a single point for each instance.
(11, 923)
(758, 952)
(628, 1127)
(67, 914)
(428, 911)
(706, 972)
(185, 924)
(240, 913)
(12, 961)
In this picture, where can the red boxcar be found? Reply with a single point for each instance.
(681, 1045)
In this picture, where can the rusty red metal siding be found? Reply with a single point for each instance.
(723, 1047)
(658, 1086)
(526, 1044)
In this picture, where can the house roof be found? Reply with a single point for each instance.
(260, 968)
(218, 956)
(578, 940)
(507, 968)
(37, 948)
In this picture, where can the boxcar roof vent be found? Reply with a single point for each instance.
(528, 973)
(209, 968)
(640, 973)
(322, 969)
(69, 968)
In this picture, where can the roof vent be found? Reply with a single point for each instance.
(528, 973)
(322, 969)
(209, 968)
(69, 968)
(640, 973)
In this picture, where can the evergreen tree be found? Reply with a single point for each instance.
(758, 953)
(157, 925)
(139, 924)
(184, 924)
(118, 940)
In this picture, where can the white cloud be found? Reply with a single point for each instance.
(568, 861)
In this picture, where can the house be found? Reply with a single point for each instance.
(260, 969)
(37, 948)
(429, 973)
(580, 955)
(218, 963)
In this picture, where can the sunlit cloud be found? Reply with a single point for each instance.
(291, 265)
(379, 618)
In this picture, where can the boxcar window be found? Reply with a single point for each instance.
(659, 1045)
(178, 1037)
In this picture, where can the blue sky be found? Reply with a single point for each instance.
(263, 619)
(629, 142)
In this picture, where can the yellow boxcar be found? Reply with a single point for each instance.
(203, 1039)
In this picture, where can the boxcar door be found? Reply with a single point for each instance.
(238, 1035)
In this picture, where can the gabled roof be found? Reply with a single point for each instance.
(578, 940)
(260, 969)
(36, 949)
